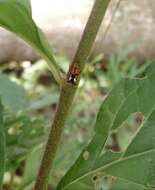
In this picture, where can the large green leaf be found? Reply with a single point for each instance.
(13, 96)
(127, 97)
(2, 147)
(15, 16)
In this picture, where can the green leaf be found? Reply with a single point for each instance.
(2, 147)
(15, 16)
(121, 184)
(138, 162)
(13, 96)
(127, 97)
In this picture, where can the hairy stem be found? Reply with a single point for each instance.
(66, 98)
(68, 92)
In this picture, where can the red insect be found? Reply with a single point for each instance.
(74, 73)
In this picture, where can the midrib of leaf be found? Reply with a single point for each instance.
(111, 164)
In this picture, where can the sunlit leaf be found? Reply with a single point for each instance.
(15, 16)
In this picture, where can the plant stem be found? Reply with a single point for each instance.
(66, 98)
(90, 32)
(68, 92)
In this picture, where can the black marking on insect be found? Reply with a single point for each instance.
(73, 74)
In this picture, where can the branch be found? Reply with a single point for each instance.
(68, 92)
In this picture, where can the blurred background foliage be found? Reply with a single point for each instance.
(30, 96)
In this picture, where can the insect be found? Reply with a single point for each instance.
(73, 74)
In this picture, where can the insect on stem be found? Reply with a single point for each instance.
(73, 74)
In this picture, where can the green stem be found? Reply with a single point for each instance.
(66, 98)
(68, 92)
(90, 32)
